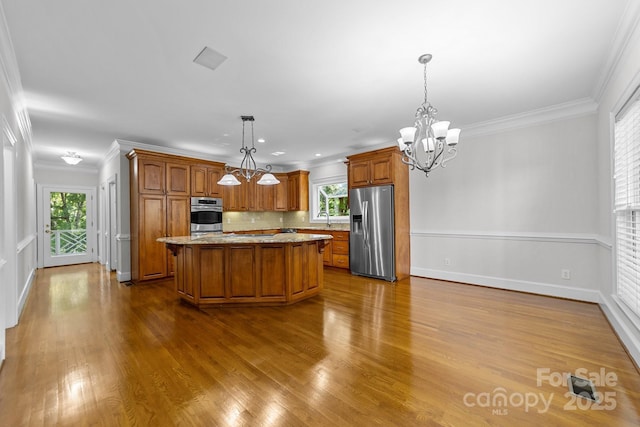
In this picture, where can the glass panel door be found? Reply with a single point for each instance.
(66, 235)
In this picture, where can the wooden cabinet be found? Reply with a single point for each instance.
(336, 250)
(383, 167)
(340, 249)
(178, 223)
(204, 181)
(160, 187)
(157, 176)
(274, 273)
(298, 191)
(281, 191)
(371, 169)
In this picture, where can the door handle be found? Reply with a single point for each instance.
(47, 231)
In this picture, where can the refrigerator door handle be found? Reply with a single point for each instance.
(365, 222)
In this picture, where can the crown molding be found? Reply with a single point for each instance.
(11, 79)
(64, 168)
(567, 110)
(628, 28)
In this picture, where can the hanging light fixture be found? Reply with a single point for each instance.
(429, 143)
(71, 158)
(248, 168)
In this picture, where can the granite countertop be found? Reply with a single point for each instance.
(230, 238)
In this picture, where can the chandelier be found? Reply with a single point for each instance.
(71, 158)
(248, 168)
(429, 143)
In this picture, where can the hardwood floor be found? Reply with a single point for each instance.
(91, 351)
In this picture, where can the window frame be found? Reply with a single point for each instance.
(315, 199)
(620, 211)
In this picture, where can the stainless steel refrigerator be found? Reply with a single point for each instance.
(371, 240)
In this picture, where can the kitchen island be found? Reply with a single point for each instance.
(247, 269)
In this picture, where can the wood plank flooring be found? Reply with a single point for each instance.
(91, 351)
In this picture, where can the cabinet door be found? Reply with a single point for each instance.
(281, 202)
(381, 170)
(178, 222)
(293, 196)
(199, 181)
(214, 174)
(151, 226)
(359, 173)
(265, 197)
(151, 176)
(327, 255)
(178, 179)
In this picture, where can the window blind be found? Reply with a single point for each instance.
(627, 203)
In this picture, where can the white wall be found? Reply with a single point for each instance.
(17, 192)
(513, 210)
(624, 79)
(116, 167)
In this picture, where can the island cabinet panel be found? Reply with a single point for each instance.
(313, 266)
(296, 267)
(189, 279)
(272, 271)
(242, 273)
(211, 274)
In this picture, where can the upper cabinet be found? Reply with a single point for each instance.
(292, 194)
(204, 181)
(157, 176)
(298, 191)
(373, 168)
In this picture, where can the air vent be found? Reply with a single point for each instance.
(582, 387)
(209, 58)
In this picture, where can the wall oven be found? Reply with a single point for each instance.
(206, 215)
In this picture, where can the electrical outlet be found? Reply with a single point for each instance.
(253, 220)
(447, 261)
(228, 220)
(565, 274)
(280, 219)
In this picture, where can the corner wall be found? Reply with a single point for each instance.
(513, 210)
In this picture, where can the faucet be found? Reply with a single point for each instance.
(326, 212)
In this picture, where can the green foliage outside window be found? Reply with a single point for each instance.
(335, 197)
(68, 211)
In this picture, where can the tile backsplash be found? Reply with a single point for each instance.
(240, 221)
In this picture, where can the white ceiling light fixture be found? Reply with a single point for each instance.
(248, 168)
(71, 158)
(429, 143)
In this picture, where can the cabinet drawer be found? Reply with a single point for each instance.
(340, 235)
(341, 247)
(341, 261)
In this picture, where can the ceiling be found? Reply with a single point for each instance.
(321, 77)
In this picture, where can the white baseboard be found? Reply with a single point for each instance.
(25, 292)
(123, 276)
(511, 284)
(627, 333)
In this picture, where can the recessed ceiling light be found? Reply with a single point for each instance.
(209, 58)
(317, 154)
(261, 140)
(277, 153)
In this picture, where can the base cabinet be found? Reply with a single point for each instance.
(336, 253)
(248, 274)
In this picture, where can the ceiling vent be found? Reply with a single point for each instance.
(209, 58)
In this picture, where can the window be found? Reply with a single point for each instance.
(332, 196)
(627, 202)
